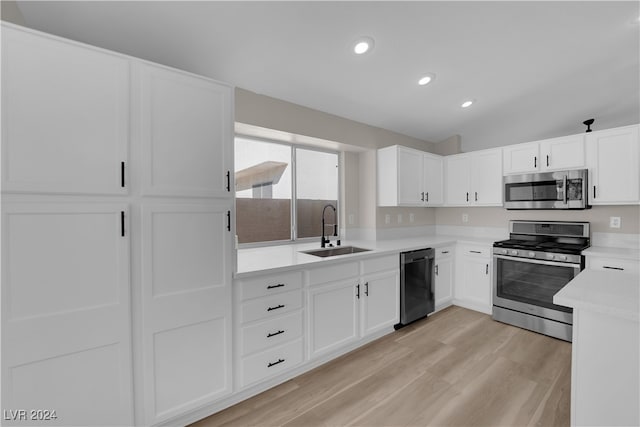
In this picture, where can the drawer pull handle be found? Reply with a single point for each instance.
(276, 307)
(279, 285)
(445, 252)
(475, 252)
(613, 268)
(275, 363)
(274, 334)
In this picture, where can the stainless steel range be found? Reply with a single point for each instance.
(529, 268)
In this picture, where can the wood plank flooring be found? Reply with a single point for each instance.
(456, 368)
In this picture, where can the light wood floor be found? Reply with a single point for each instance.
(456, 368)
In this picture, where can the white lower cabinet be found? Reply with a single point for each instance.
(345, 311)
(444, 277)
(473, 278)
(333, 316)
(615, 264)
(186, 306)
(269, 332)
(66, 312)
(380, 305)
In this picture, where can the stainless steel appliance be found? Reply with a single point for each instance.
(549, 190)
(538, 260)
(417, 278)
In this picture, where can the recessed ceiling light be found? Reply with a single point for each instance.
(426, 79)
(468, 103)
(363, 45)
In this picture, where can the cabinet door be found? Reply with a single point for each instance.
(562, 153)
(444, 282)
(380, 295)
(66, 312)
(333, 320)
(186, 306)
(409, 177)
(186, 133)
(476, 283)
(65, 110)
(613, 160)
(433, 194)
(458, 173)
(521, 158)
(486, 178)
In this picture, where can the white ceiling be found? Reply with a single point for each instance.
(537, 69)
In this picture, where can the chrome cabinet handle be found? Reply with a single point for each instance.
(279, 285)
(436, 270)
(535, 162)
(269, 335)
(547, 160)
(279, 306)
(613, 268)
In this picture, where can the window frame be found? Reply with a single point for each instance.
(294, 197)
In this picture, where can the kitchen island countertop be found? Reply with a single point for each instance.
(615, 293)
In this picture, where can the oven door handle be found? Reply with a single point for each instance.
(537, 261)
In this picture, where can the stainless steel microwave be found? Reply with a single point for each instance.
(548, 190)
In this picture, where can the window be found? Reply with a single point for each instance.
(268, 175)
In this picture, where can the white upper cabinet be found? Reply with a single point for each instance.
(521, 158)
(613, 161)
(457, 176)
(548, 155)
(65, 115)
(185, 127)
(562, 153)
(408, 177)
(433, 177)
(474, 179)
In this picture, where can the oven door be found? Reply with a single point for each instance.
(529, 285)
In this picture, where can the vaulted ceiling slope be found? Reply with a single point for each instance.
(536, 69)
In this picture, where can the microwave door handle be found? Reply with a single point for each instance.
(564, 185)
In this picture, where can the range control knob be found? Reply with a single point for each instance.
(504, 251)
(531, 254)
(514, 252)
(562, 257)
(551, 256)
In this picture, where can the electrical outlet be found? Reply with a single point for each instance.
(387, 219)
(465, 217)
(614, 221)
(412, 217)
(399, 218)
(352, 219)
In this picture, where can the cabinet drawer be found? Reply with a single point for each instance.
(445, 252)
(270, 333)
(271, 306)
(373, 265)
(270, 362)
(269, 285)
(333, 273)
(626, 265)
(475, 250)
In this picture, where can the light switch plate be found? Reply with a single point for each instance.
(387, 219)
(614, 221)
(465, 217)
(351, 219)
(412, 217)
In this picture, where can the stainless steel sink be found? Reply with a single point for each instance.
(341, 250)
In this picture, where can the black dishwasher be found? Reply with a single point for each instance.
(417, 279)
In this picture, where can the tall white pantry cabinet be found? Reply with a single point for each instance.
(116, 236)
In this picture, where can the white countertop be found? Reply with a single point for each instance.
(615, 293)
(271, 259)
(607, 252)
